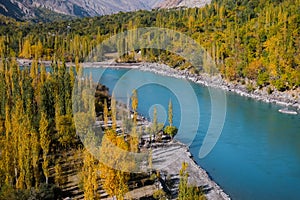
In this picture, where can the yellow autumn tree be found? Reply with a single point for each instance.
(114, 157)
(26, 49)
(134, 105)
(89, 176)
(45, 141)
(105, 113)
(114, 113)
(8, 150)
(134, 136)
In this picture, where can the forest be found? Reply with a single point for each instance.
(253, 40)
(41, 150)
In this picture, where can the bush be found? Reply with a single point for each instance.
(250, 88)
(159, 194)
(171, 130)
(262, 79)
(269, 90)
(44, 192)
(7, 192)
(279, 85)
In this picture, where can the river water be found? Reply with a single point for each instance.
(258, 153)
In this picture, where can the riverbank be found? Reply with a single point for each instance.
(168, 158)
(289, 98)
(285, 99)
(168, 155)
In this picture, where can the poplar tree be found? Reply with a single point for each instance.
(89, 176)
(154, 122)
(114, 157)
(105, 114)
(134, 105)
(35, 145)
(183, 183)
(170, 129)
(134, 140)
(170, 113)
(9, 150)
(58, 176)
(45, 144)
(26, 49)
(187, 191)
(134, 137)
(114, 113)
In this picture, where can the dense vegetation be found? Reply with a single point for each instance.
(38, 133)
(249, 40)
(257, 40)
(36, 124)
(38, 138)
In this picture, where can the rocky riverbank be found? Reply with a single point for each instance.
(168, 158)
(286, 99)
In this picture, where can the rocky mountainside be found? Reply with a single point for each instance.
(182, 3)
(21, 9)
(24, 9)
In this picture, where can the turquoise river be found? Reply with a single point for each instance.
(258, 153)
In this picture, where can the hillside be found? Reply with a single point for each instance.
(40, 10)
(24, 9)
(254, 43)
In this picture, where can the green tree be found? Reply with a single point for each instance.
(170, 129)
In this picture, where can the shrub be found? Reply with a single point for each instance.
(250, 88)
(159, 194)
(171, 130)
(270, 90)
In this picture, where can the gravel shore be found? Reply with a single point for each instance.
(285, 99)
(168, 158)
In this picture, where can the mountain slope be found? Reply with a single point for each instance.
(12, 9)
(22, 9)
(183, 3)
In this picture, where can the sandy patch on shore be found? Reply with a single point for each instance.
(169, 158)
